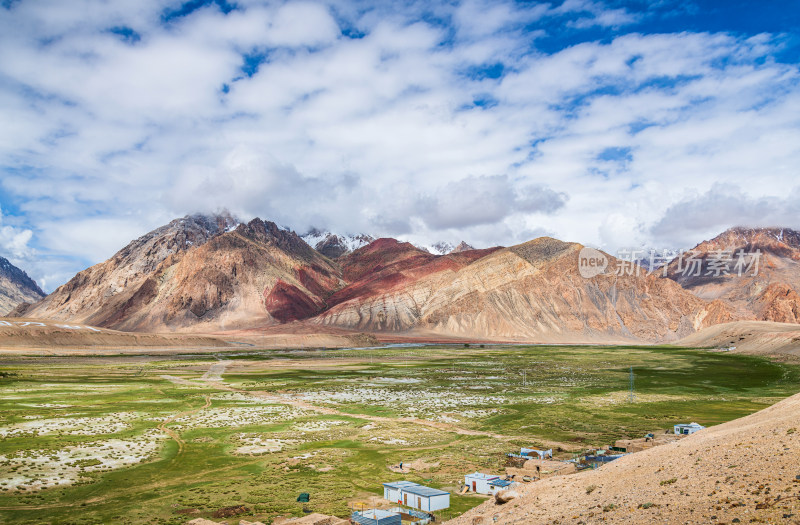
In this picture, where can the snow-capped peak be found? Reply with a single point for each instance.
(444, 247)
(335, 245)
(437, 248)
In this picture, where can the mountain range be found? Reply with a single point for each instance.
(211, 273)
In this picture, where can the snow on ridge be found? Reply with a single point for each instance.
(349, 241)
(438, 248)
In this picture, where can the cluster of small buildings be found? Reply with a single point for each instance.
(621, 447)
(416, 503)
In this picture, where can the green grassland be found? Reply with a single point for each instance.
(144, 440)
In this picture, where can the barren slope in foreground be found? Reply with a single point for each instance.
(731, 473)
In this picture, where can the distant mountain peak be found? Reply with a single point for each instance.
(16, 287)
(755, 271)
(747, 235)
(462, 247)
(444, 247)
(335, 245)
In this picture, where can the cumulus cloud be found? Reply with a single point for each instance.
(484, 200)
(14, 241)
(470, 120)
(705, 215)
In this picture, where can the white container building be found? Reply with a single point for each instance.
(416, 496)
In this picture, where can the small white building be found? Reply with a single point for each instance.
(416, 496)
(479, 482)
(686, 429)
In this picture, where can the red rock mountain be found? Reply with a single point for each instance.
(767, 291)
(16, 287)
(207, 273)
(532, 291)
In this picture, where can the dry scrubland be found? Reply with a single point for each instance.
(163, 439)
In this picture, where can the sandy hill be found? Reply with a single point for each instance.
(748, 337)
(743, 471)
(45, 336)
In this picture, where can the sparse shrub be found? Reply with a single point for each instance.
(668, 481)
(590, 489)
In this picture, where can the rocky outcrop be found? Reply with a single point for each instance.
(16, 287)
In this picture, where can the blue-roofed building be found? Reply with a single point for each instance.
(496, 485)
(416, 496)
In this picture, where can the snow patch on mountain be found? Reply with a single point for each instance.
(443, 247)
(437, 248)
(335, 245)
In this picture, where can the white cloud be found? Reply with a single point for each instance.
(704, 215)
(302, 24)
(439, 122)
(14, 241)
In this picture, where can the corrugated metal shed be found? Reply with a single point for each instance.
(400, 484)
(425, 492)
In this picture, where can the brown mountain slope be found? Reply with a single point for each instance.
(103, 290)
(16, 287)
(256, 274)
(768, 294)
(387, 268)
(196, 274)
(529, 291)
(743, 471)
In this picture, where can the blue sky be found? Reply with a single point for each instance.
(612, 123)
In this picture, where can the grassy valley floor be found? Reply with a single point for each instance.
(163, 439)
